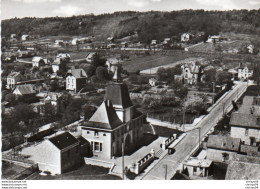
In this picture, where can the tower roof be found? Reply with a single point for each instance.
(105, 117)
(119, 95)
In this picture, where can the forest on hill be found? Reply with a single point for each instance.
(149, 25)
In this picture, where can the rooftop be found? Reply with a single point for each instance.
(195, 162)
(63, 140)
(105, 117)
(77, 73)
(223, 143)
(119, 95)
(245, 120)
(25, 89)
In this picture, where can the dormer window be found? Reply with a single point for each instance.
(96, 134)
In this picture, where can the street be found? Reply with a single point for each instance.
(191, 141)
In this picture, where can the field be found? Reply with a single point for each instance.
(147, 62)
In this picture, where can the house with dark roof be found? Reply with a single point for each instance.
(38, 61)
(220, 148)
(90, 57)
(75, 79)
(115, 123)
(246, 127)
(56, 154)
(12, 79)
(24, 90)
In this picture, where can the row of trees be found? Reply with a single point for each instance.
(149, 25)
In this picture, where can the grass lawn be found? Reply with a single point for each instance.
(9, 169)
(86, 172)
(146, 62)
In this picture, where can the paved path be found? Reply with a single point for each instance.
(153, 70)
(191, 141)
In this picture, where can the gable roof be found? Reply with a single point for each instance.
(25, 89)
(14, 74)
(223, 143)
(63, 140)
(119, 95)
(245, 120)
(37, 59)
(105, 117)
(77, 73)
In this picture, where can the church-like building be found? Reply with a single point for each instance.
(115, 124)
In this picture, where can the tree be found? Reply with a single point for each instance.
(89, 69)
(98, 61)
(223, 77)
(10, 97)
(102, 73)
(195, 104)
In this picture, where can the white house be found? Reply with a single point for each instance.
(246, 127)
(153, 82)
(12, 79)
(244, 73)
(75, 79)
(185, 37)
(24, 37)
(38, 61)
(57, 154)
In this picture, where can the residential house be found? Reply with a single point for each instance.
(244, 72)
(75, 79)
(113, 64)
(90, 57)
(24, 90)
(243, 168)
(38, 62)
(56, 154)
(192, 73)
(74, 41)
(153, 82)
(214, 39)
(245, 127)
(116, 123)
(197, 167)
(13, 36)
(56, 65)
(250, 48)
(24, 37)
(59, 42)
(64, 57)
(12, 79)
(185, 37)
(220, 148)
(8, 58)
(154, 42)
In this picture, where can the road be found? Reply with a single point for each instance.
(191, 141)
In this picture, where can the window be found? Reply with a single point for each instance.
(104, 134)
(96, 146)
(96, 134)
(87, 132)
(100, 147)
(246, 132)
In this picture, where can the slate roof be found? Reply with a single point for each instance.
(25, 89)
(63, 140)
(105, 117)
(82, 140)
(223, 143)
(245, 120)
(119, 95)
(77, 73)
(246, 168)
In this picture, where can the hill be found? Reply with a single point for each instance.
(149, 25)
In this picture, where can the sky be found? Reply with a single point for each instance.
(51, 8)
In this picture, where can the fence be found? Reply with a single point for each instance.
(143, 163)
(25, 173)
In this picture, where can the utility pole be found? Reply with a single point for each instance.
(223, 108)
(165, 166)
(123, 163)
(183, 118)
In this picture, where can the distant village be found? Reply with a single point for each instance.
(72, 102)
